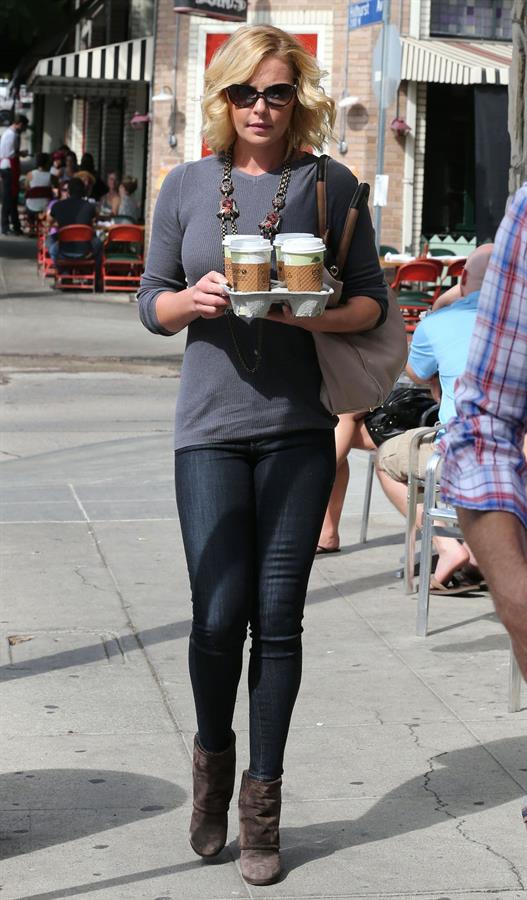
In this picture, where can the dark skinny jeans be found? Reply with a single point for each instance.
(250, 514)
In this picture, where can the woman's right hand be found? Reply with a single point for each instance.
(208, 297)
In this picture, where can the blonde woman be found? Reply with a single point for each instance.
(255, 449)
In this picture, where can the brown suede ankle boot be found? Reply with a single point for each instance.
(213, 783)
(259, 806)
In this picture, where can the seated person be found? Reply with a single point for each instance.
(38, 187)
(74, 210)
(88, 181)
(70, 165)
(350, 434)
(99, 187)
(109, 203)
(439, 348)
(128, 206)
(57, 166)
(362, 431)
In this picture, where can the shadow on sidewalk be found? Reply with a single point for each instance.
(54, 806)
(91, 653)
(456, 785)
(22, 247)
(120, 645)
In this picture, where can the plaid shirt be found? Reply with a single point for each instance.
(484, 466)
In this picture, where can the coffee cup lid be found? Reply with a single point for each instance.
(281, 238)
(303, 245)
(229, 238)
(250, 243)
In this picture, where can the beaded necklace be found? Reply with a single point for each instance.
(269, 227)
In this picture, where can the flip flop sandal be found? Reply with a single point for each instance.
(320, 550)
(470, 574)
(453, 588)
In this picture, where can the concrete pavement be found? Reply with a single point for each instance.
(404, 770)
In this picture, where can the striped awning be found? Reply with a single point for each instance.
(456, 61)
(126, 61)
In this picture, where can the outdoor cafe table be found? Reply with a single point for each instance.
(399, 259)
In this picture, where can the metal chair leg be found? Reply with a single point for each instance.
(367, 498)
(515, 683)
(425, 565)
(421, 435)
(409, 538)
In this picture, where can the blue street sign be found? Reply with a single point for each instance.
(365, 12)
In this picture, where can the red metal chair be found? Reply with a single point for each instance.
(74, 272)
(422, 272)
(412, 315)
(437, 263)
(455, 268)
(453, 272)
(45, 264)
(36, 193)
(123, 260)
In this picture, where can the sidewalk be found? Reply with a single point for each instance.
(404, 771)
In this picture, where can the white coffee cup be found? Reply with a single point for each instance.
(278, 242)
(303, 260)
(251, 264)
(227, 243)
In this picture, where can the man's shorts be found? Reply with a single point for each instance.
(393, 456)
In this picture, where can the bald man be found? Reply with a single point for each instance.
(437, 358)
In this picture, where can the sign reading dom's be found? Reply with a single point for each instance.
(226, 10)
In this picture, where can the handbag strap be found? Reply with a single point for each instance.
(360, 196)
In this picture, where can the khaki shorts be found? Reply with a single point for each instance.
(393, 456)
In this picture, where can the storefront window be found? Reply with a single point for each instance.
(478, 19)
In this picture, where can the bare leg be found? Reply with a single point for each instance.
(349, 433)
(452, 554)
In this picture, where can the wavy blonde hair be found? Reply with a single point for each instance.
(235, 63)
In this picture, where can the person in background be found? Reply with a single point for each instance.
(99, 187)
(62, 194)
(439, 348)
(484, 471)
(38, 187)
(110, 201)
(71, 165)
(57, 167)
(88, 181)
(350, 434)
(74, 210)
(128, 205)
(255, 449)
(10, 154)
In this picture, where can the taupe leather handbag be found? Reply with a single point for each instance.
(358, 369)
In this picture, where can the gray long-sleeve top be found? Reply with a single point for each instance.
(218, 399)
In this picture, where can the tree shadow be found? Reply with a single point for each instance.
(44, 807)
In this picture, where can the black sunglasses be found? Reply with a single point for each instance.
(276, 95)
